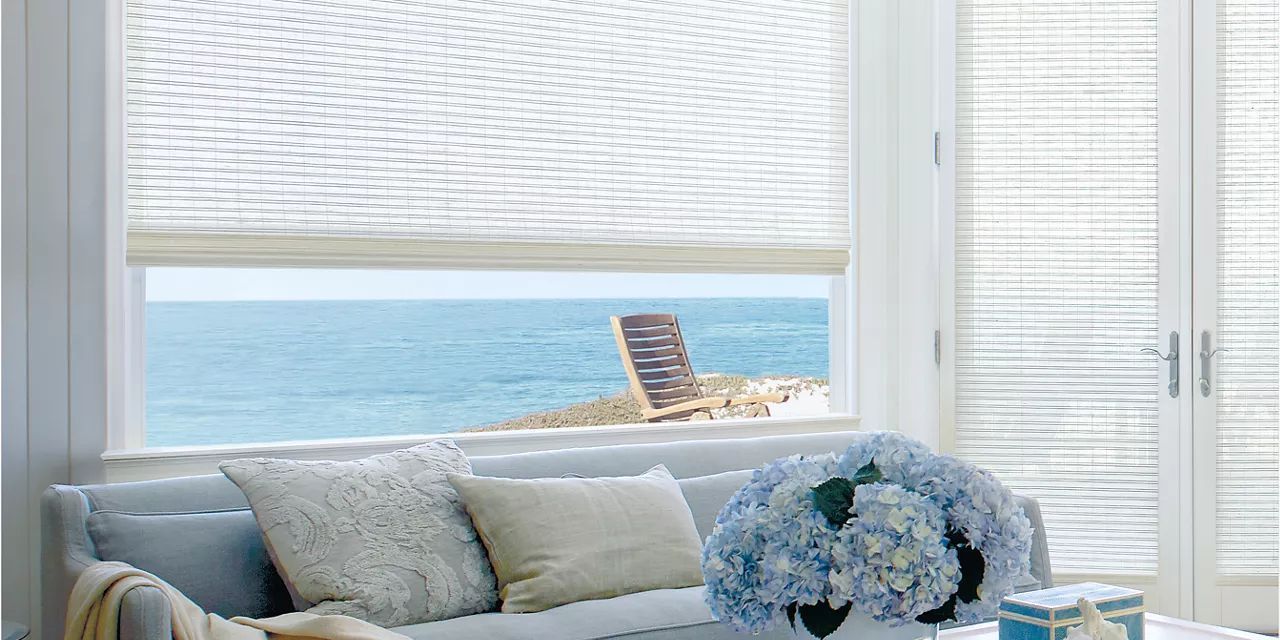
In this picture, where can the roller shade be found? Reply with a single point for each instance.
(646, 135)
(1248, 214)
(1056, 260)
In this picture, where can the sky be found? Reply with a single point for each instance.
(191, 284)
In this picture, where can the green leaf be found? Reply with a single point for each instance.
(867, 474)
(833, 499)
(821, 620)
(791, 615)
(972, 569)
(973, 566)
(942, 614)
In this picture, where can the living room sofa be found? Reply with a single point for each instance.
(198, 534)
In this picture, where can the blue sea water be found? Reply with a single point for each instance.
(236, 372)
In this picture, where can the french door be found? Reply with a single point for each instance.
(1235, 349)
(1111, 323)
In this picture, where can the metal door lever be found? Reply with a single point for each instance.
(1171, 358)
(1206, 354)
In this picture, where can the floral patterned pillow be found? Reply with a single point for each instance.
(384, 539)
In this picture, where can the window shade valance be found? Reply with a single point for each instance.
(625, 134)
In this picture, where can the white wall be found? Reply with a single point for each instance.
(53, 287)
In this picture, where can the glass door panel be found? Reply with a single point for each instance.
(1236, 292)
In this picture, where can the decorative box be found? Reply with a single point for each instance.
(1048, 613)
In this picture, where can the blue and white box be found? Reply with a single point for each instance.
(1048, 613)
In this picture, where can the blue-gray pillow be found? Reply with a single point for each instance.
(239, 581)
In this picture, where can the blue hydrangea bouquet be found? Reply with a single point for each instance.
(888, 531)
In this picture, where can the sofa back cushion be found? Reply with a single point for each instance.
(685, 459)
(201, 554)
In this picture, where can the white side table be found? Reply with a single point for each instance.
(1158, 628)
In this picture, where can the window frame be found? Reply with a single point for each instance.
(130, 432)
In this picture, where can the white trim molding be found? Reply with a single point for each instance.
(896, 178)
(126, 465)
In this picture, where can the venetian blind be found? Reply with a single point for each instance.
(1248, 183)
(1056, 258)
(625, 134)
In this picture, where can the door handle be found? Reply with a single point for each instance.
(1206, 354)
(1172, 359)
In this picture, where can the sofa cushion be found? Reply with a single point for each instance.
(662, 614)
(230, 549)
(684, 459)
(707, 495)
(558, 540)
(383, 539)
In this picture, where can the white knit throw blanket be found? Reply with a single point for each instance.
(93, 613)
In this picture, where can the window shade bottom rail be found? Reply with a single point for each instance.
(162, 249)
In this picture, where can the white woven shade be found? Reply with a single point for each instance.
(1056, 267)
(614, 134)
(1248, 215)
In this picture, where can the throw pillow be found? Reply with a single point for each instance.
(553, 541)
(383, 539)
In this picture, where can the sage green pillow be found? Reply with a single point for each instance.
(553, 541)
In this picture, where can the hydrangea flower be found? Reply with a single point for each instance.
(981, 508)
(892, 560)
(731, 570)
(772, 548)
(975, 503)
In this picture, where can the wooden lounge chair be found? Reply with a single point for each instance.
(661, 377)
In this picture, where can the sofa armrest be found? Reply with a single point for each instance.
(65, 550)
(145, 615)
(1041, 568)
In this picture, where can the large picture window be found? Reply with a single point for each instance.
(243, 356)
(612, 143)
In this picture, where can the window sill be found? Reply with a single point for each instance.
(124, 465)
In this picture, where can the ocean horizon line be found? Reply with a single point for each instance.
(535, 299)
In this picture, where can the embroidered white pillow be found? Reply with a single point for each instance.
(383, 539)
(553, 541)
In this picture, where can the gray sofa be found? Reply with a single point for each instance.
(198, 534)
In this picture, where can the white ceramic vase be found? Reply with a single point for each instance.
(861, 627)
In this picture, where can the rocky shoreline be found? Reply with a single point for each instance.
(809, 396)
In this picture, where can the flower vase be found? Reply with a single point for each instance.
(861, 627)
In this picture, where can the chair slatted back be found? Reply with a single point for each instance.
(657, 364)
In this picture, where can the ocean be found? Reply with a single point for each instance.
(238, 372)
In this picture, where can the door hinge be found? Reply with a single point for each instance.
(937, 148)
(937, 347)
